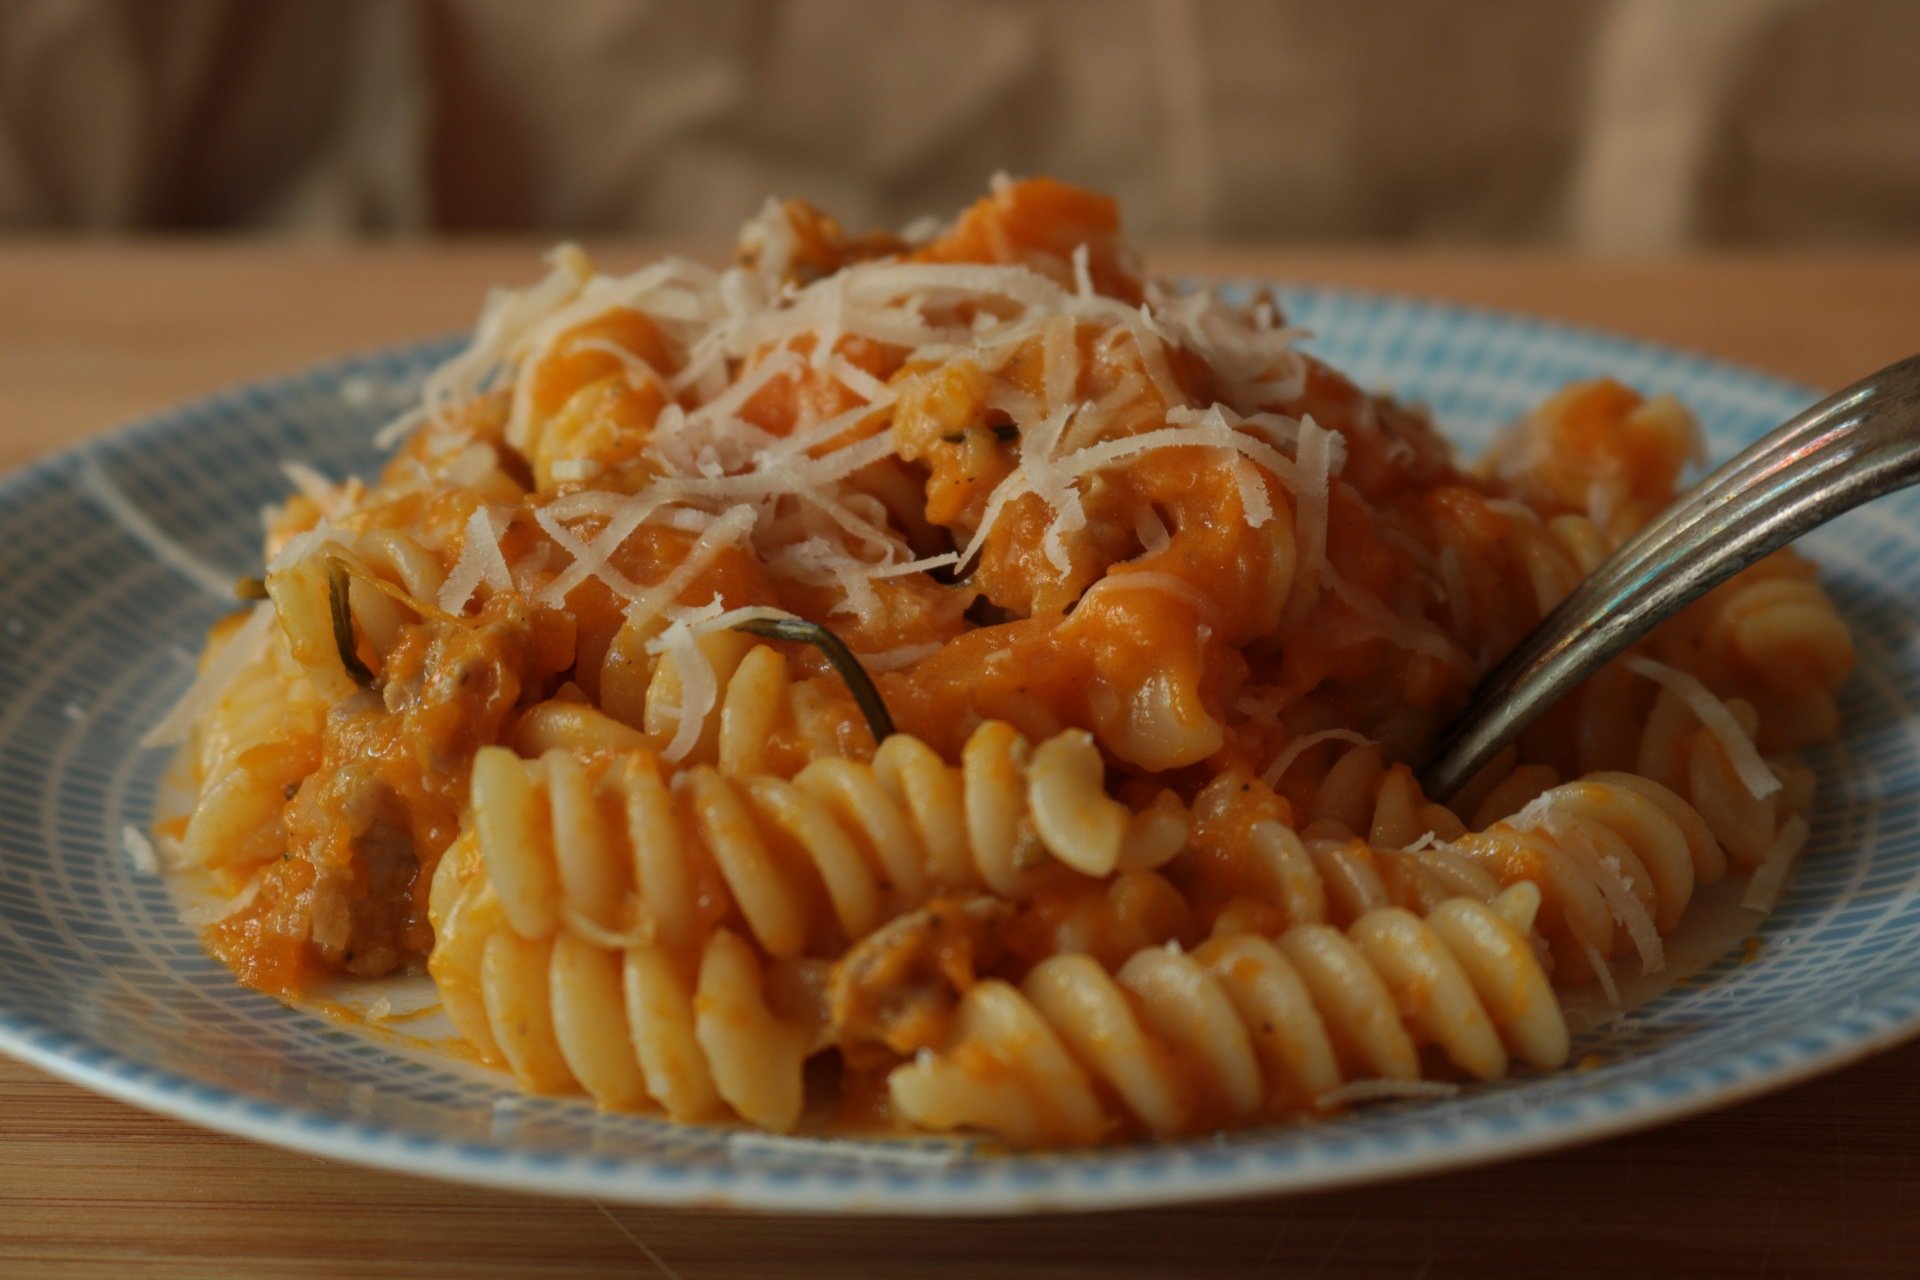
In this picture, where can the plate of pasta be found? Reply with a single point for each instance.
(925, 722)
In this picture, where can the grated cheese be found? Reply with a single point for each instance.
(699, 620)
(481, 560)
(1603, 971)
(402, 426)
(199, 917)
(139, 850)
(945, 560)
(1381, 621)
(1759, 780)
(699, 682)
(331, 498)
(1151, 530)
(134, 521)
(724, 532)
(1544, 813)
(1315, 453)
(1055, 479)
(1292, 752)
(242, 647)
(699, 690)
(713, 321)
(900, 658)
(576, 470)
(589, 560)
(1770, 877)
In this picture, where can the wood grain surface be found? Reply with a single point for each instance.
(1818, 1180)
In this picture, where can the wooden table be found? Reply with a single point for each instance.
(1821, 1179)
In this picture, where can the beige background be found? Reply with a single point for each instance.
(1636, 124)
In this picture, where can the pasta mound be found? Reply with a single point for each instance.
(978, 662)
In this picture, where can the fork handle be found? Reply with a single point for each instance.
(1852, 447)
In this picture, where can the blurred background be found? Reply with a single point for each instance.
(1606, 124)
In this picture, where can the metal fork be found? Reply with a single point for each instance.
(1850, 448)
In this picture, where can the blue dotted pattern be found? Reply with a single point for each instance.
(103, 985)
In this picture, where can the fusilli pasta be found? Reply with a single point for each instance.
(966, 659)
(1239, 1029)
(620, 849)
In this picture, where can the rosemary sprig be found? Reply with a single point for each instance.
(859, 683)
(338, 582)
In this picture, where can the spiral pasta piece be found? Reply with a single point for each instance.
(1502, 566)
(1771, 637)
(1618, 857)
(723, 700)
(1239, 1029)
(697, 1029)
(1680, 753)
(259, 739)
(614, 845)
(1281, 877)
(1664, 742)
(587, 907)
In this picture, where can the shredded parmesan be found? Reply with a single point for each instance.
(1770, 877)
(1627, 908)
(199, 917)
(1544, 812)
(710, 617)
(724, 532)
(139, 850)
(1603, 972)
(1758, 779)
(1383, 622)
(1315, 454)
(1152, 531)
(699, 682)
(927, 564)
(699, 689)
(593, 560)
(714, 457)
(302, 545)
(576, 470)
(1291, 753)
(899, 659)
(642, 934)
(402, 426)
(331, 498)
(1082, 275)
(1055, 479)
(242, 647)
(95, 481)
(480, 561)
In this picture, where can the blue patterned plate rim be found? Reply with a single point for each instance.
(1390, 1141)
